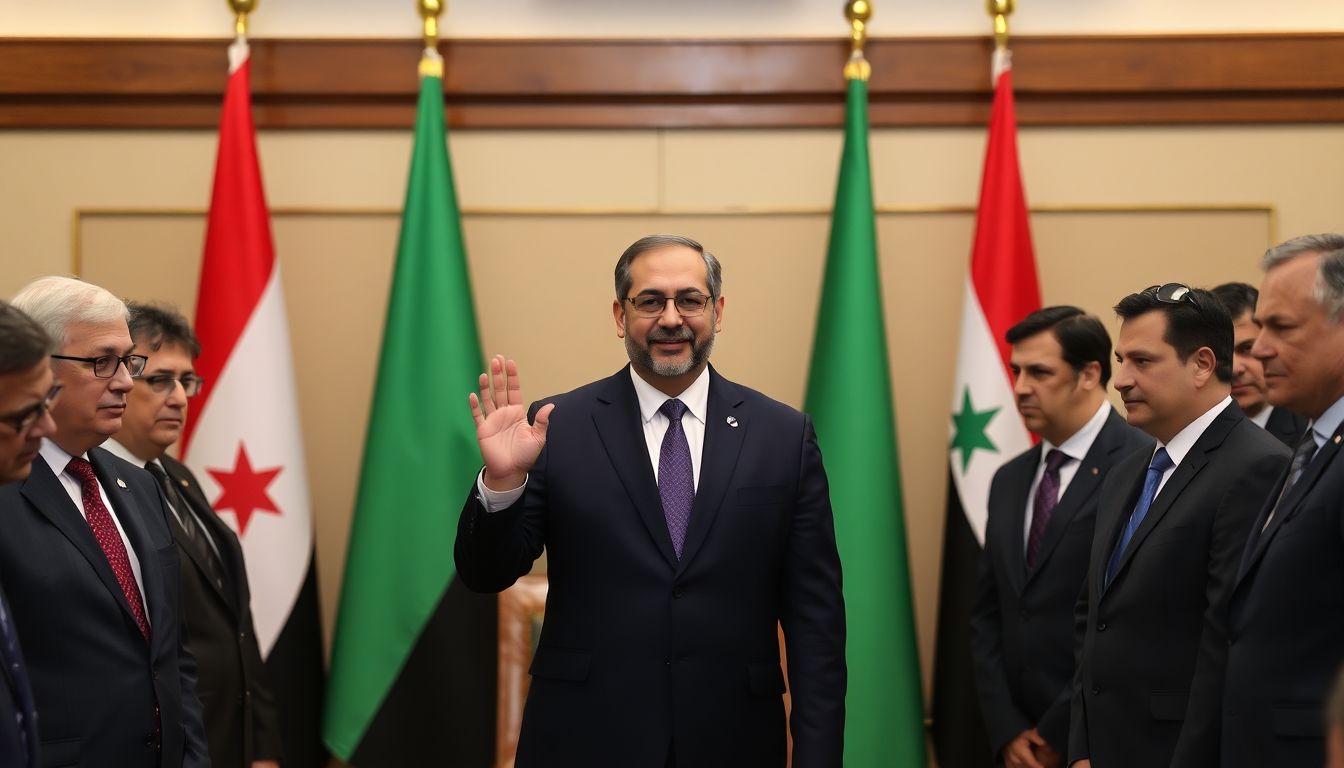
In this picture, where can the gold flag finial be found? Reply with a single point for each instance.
(240, 10)
(1001, 10)
(431, 63)
(858, 12)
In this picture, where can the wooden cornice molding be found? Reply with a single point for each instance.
(327, 83)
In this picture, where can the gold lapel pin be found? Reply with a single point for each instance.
(182, 483)
(732, 421)
(121, 482)
(1096, 471)
(1337, 439)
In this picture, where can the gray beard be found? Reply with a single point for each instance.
(643, 358)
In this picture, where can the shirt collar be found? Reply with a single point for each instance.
(122, 452)
(55, 456)
(1184, 440)
(1324, 428)
(1261, 419)
(696, 396)
(1080, 442)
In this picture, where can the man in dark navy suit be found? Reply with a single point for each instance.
(685, 518)
(26, 395)
(1042, 510)
(89, 562)
(1286, 621)
(1248, 373)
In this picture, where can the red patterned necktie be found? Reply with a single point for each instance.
(105, 531)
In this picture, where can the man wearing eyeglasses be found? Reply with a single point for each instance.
(26, 396)
(1171, 526)
(239, 710)
(89, 563)
(1287, 610)
(684, 518)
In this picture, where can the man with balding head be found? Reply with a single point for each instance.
(1286, 617)
(26, 396)
(89, 563)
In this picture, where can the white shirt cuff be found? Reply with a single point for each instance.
(493, 501)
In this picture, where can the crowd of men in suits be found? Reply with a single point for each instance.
(126, 636)
(1167, 588)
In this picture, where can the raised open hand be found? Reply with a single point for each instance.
(509, 445)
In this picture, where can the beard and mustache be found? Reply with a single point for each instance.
(643, 357)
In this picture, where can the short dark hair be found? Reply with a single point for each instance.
(1197, 319)
(23, 343)
(153, 325)
(1082, 338)
(713, 270)
(1237, 298)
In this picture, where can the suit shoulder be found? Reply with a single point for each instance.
(1256, 444)
(122, 468)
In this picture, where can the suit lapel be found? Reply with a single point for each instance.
(1113, 513)
(1288, 507)
(1195, 460)
(619, 426)
(718, 460)
(196, 550)
(128, 514)
(1084, 483)
(1018, 491)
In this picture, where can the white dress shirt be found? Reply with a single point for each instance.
(1076, 448)
(58, 460)
(1261, 419)
(1184, 440)
(122, 452)
(696, 399)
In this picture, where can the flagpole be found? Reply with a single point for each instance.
(241, 8)
(1000, 10)
(431, 63)
(858, 12)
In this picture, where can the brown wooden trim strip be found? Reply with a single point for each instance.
(297, 83)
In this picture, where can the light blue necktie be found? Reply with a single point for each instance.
(1160, 464)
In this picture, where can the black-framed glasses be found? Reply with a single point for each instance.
(164, 383)
(1173, 293)
(24, 420)
(688, 304)
(105, 366)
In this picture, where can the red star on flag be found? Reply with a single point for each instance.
(244, 489)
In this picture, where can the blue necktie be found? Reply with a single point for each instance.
(1160, 464)
(676, 477)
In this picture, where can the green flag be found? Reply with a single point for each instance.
(849, 398)
(390, 702)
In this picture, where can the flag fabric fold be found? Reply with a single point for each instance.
(245, 444)
(884, 711)
(413, 662)
(1001, 288)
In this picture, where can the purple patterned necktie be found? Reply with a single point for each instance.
(676, 479)
(1043, 505)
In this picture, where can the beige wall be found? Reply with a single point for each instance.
(548, 212)
(687, 18)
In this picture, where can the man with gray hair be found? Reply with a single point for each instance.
(26, 396)
(1286, 615)
(89, 562)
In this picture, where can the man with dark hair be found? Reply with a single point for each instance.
(1287, 611)
(1042, 509)
(239, 710)
(1171, 526)
(684, 518)
(1248, 373)
(27, 393)
(89, 563)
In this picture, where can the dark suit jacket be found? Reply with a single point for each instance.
(1148, 690)
(1023, 621)
(1286, 426)
(240, 718)
(1286, 622)
(95, 682)
(641, 652)
(15, 699)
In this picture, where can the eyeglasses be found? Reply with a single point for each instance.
(105, 366)
(688, 304)
(164, 383)
(1173, 293)
(24, 420)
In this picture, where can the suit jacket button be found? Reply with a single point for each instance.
(667, 662)
(1101, 627)
(1096, 690)
(677, 593)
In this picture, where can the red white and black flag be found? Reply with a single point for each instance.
(245, 444)
(1001, 289)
